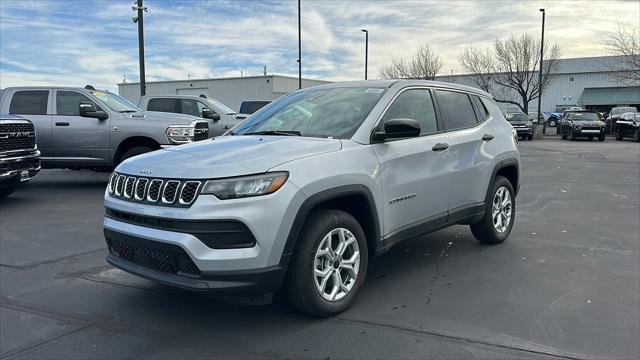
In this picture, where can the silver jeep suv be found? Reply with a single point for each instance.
(302, 194)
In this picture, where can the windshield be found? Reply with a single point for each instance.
(517, 117)
(225, 109)
(115, 102)
(586, 117)
(332, 112)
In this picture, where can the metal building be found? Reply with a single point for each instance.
(230, 91)
(586, 82)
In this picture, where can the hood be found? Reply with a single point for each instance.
(227, 156)
(165, 117)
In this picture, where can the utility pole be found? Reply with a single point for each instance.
(139, 19)
(366, 51)
(540, 75)
(299, 50)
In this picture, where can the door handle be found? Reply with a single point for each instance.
(440, 147)
(487, 137)
(62, 123)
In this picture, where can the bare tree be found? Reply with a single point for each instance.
(627, 45)
(509, 69)
(425, 64)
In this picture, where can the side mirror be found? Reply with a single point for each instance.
(398, 128)
(209, 114)
(88, 109)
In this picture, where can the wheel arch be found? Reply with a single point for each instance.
(132, 142)
(508, 168)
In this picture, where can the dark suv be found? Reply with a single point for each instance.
(582, 123)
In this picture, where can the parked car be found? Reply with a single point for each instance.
(583, 123)
(628, 125)
(306, 191)
(220, 117)
(19, 155)
(89, 128)
(552, 120)
(523, 125)
(249, 107)
(614, 116)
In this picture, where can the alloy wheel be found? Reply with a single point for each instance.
(336, 265)
(502, 210)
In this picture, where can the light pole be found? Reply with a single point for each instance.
(366, 51)
(299, 50)
(540, 75)
(138, 19)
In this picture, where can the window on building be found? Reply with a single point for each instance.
(163, 105)
(414, 104)
(29, 102)
(571, 78)
(68, 103)
(456, 110)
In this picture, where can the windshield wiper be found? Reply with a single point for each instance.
(276, 132)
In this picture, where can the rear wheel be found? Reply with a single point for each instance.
(329, 264)
(499, 215)
(7, 191)
(138, 150)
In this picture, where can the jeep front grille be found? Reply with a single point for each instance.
(163, 192)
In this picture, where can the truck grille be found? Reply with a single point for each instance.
(17, 136)
(153, 191)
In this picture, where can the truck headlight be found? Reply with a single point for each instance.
(245, 186)
(180, 134)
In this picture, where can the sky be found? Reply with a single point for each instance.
(74, 43)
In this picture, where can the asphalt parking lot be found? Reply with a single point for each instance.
(564, 285)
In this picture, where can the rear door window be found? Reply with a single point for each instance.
(456, 109)
(163, 105)
(29, 102)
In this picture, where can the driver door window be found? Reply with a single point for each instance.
(190, 107)
(415, 104)
(68, 103)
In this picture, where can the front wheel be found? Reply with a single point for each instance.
(497, 222)
(601, 137)
(619, 135)
(572, 136)
(138, 150)
(329, 264)
(7, 191)
(636, 135)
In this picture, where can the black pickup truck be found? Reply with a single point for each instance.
(19, 155)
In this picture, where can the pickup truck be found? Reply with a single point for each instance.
(219, 116)
(88, 128)
(19, 155)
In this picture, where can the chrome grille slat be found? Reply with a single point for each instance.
(170, 191)
(129, 187)
(112, 182)
(188, 192)
(120, 185)
(141, 188)
(153, 193)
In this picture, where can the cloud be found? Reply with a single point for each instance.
(79, 42)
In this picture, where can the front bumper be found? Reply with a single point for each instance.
(524, 131)
(160, 243)
(19, 167)
(589, 131)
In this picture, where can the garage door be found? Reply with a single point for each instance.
(193, 91)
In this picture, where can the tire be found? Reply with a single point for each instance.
(636, 135)
(590, 138)
(7, 191)
(485, 231)
(564, 136)
(572, 136)
(619, 135)
(302, 284)
(529, 137)
(133, 152)
(601, 137)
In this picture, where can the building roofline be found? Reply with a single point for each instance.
(225, 78)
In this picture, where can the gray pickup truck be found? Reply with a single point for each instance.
(220, 117)
(19, 155)
(88, 128)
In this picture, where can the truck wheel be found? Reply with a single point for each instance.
(7, 191)
(329, 264)
(619, 135)
(564, 135)
(636, 135)
(601, 137)
(529, 137)
(572, 136)
(499, 214)
(590, 138)
(133, 152)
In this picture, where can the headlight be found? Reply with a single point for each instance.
(245, 186)
(180, 134)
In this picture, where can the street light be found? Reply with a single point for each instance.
(299, 50)
(540, 75)
(366, 51)
(138, 19)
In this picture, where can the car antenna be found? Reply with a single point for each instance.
(89, 87)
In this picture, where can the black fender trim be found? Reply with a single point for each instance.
(319, 198)
(499, 166)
